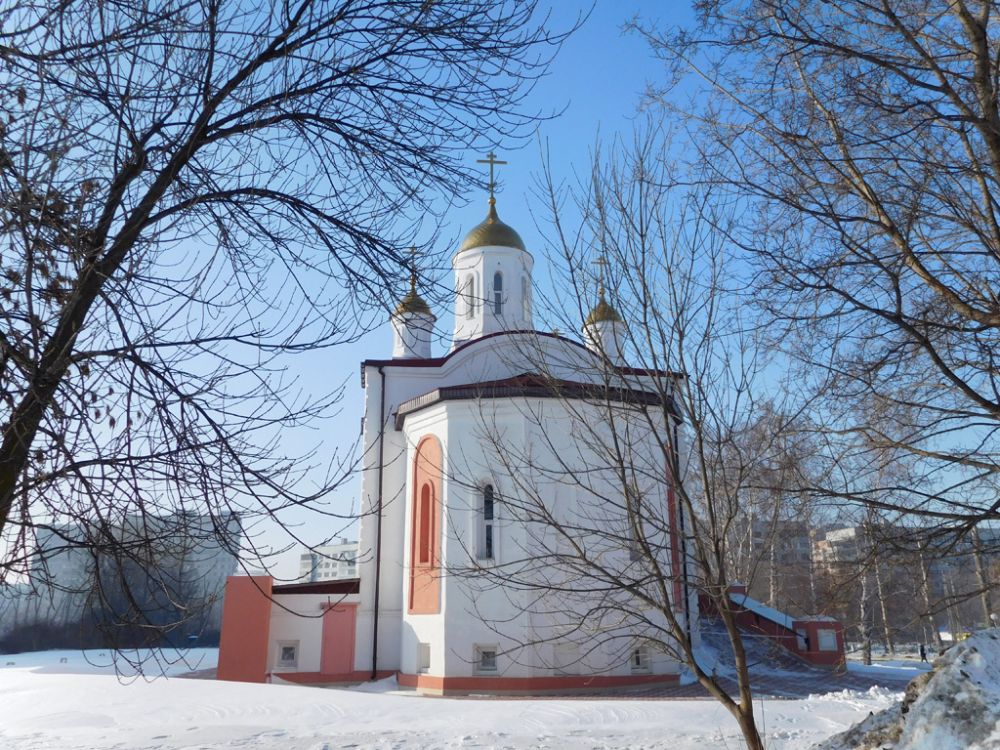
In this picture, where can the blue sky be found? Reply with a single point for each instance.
(596, 82)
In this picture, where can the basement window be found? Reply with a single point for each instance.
(486, 659)
(288, 654)
(640, 660)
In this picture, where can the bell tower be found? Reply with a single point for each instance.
(492, 276)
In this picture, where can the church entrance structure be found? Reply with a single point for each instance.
(473, 500)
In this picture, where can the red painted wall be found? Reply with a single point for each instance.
(754, 623)
(425, 529)
(813, 654)
(337, 652)
(529, 685)
(246, 619)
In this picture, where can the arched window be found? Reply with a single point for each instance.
(525, 299)
(424, 531)
(469, 294)
(498, 293)
(487, 518)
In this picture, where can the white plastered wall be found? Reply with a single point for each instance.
(298, 618)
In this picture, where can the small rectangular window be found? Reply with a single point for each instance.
(288, 654)
(486, 659)
(423, 657)
(827, 639)
(640, 659)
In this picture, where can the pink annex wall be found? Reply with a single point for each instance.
(337, 656)
(246, 618)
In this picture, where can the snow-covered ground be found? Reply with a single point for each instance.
(891, 668)
(78, 703)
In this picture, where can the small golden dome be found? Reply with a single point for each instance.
(603, 312)
(492, 232)
(413, 303)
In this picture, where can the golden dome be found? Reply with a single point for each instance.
(603, 312)
(492, 232)
(413, 302)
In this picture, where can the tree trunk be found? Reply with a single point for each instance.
(982, 578)
(748, 725)
(886, 629)
(925, 590)
(866, 629)
(772, 588)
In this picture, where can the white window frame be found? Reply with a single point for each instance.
(639, 659)
(827, 638)
(282, 663)
(525, 298)
(423, 657)
(482, 649)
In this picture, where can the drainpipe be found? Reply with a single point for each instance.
(378, 521)
(684, 559)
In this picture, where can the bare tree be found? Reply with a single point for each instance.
(862, 139)
(192, 192)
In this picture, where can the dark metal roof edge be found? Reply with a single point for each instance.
(439, 361)
(503, 389)
(339, 586)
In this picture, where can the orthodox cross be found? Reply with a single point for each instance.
(413, 268)
(492, 160)
(601, 262)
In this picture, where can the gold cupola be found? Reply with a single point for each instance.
(604, 329)
(412, 324)
(603, 312)
(492, 233)
(413, 303)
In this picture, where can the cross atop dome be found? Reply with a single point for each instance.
(492, 160)
(492, 231)
(413, 302)
(603, 311)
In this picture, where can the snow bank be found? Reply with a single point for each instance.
(956, 706)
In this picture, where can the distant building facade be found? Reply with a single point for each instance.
(145, 567)
(331, 562)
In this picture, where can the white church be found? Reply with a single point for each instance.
(519, 517)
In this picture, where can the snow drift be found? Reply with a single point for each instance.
(955, 706)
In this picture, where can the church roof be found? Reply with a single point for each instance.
(531, 385)
(431, 362)
(492, 232)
